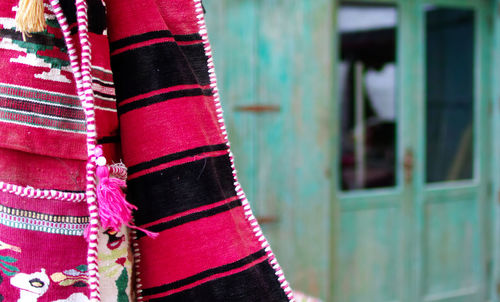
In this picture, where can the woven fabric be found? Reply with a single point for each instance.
(42, 250)
(115, 266)
(39, 106)
(43, 255)
(180, 172)
(171, 137)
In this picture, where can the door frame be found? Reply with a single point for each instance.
(494, 107)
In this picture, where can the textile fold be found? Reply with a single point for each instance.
(181, 175)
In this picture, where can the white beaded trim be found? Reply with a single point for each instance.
(31, 192)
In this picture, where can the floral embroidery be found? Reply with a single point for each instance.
(76, 277)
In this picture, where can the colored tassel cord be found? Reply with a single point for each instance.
(114, 210)
(30, 17)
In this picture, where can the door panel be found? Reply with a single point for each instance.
(370, 243)
(449, 93)
(369, 254)
(436, 209)
(451, 247)
(449, 209)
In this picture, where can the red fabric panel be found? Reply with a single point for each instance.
(177, 162)
(145, 12)
(203, 244)
(37, 170)
(169, 132)
(196, 210)
(42, 141)
(212, 277)
(178, 16)
(159, 91)
(142, 44)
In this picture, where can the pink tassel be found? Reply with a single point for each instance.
(114, 210)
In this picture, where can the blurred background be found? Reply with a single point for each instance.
(365, 136)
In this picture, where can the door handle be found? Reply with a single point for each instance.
(258, 108)
(408, 164)
(267, 219)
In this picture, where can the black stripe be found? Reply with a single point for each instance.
(204, 274)
(153, 67)
(35, 38)
(96, 15)
(181, 188)
(257, 283)
(195, 53)
(139, 38)
(104, 95)
(187, 38)
(100, 82)
(150, 36)
(108, 140)
(175, 156)
(162, 98)
(192, 217)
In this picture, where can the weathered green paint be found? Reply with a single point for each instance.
(278, 52)
(435, 235)
(414, 242)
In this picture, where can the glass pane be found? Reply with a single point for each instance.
(367, 95)
(450, 93)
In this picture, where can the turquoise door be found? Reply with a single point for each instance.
(364, 143)
(412, 218)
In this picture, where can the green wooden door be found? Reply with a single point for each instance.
(364, 146)
(273, 61)
(418, 231)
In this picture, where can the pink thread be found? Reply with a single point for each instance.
(114, 210)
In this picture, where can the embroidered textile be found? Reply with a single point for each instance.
(171, 137)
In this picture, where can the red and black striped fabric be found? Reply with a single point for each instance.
(180, 171)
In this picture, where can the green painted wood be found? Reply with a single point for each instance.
(293, 158)
(282, 156)
(450, 215)
(369, 224)
(437, 235)
(414, 242)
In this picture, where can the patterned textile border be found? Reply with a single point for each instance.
(43, 109)
(35, 221)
